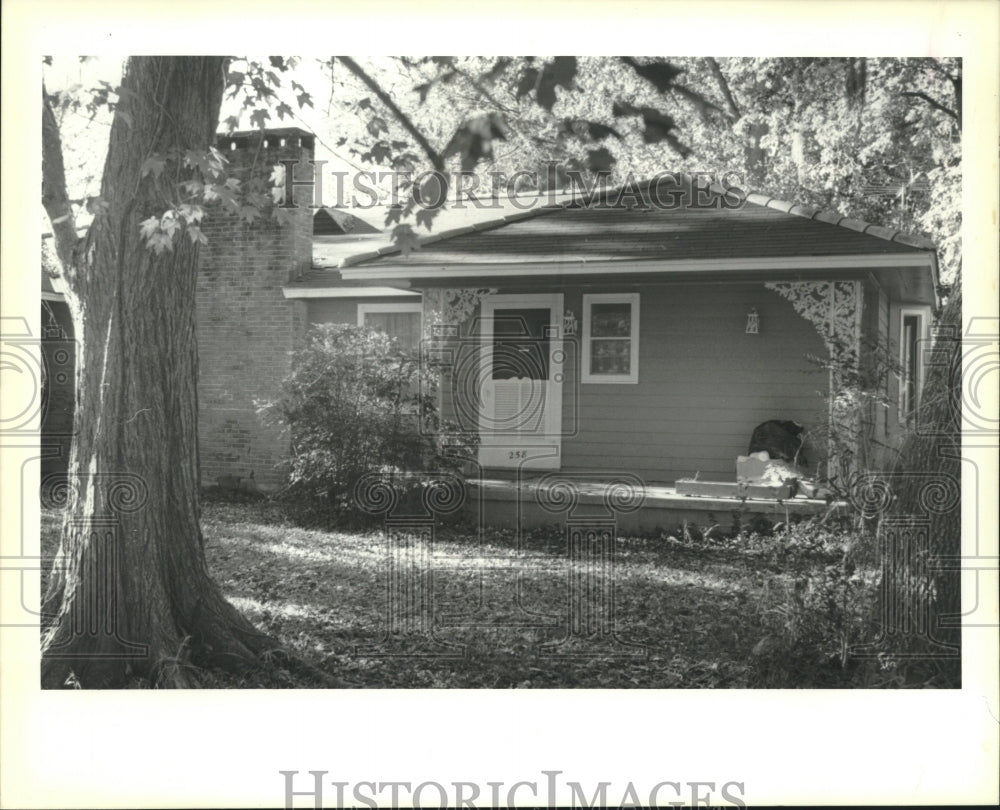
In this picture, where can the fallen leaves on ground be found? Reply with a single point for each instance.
(493, 612)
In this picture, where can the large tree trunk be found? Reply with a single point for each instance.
(130, 594)
(928, 486)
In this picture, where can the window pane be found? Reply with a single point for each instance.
(610, 356)
(611, 320)
(909, 363)
(404, 326)
(520, 344)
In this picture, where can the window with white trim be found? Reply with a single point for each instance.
(610, 350)
(913, 325)
(400, 321)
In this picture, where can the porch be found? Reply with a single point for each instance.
(543, 499)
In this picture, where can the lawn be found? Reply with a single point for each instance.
(687, 613)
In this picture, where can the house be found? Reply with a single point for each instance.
(599, 337)
(633, 337)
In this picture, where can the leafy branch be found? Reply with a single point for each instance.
(432, 154)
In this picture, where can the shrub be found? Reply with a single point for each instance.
(813, 617)
(355, 403)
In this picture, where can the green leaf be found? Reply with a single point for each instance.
(497, 70)
(277, 62)
(155, 164)
(660, 74)
(527, 82)
(658, 126)
(423, 90)
(304, 99)
(148, 227)
(283, 110)
(259, 118)
(170, 223)
(473, 141)
(393, 215)
(560, 72)
(600, 161)
(405, 239)
(593, 130)
(425, 216)
(381, 152)
(160, 242)
(191, 214)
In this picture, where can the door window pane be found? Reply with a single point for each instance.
(520, 344)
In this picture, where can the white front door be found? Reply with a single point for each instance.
(521, 362)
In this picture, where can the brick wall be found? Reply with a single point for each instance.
(246, 327)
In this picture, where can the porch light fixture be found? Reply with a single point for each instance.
(569, 324)
(753, 322)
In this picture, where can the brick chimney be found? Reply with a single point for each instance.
(246, 327)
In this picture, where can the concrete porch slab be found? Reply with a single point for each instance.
(633, 505)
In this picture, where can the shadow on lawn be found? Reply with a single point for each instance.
(679, 622)
(683, 616)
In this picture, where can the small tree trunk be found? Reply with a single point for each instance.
(130, 593)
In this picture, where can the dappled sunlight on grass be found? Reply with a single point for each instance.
(681, 616)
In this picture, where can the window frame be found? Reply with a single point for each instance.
(904, 414)
(586, 376)
(391, 308)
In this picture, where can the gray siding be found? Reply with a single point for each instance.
(333, 310)
(703, 384)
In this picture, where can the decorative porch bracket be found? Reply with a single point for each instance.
(834, 309)
(451, 306)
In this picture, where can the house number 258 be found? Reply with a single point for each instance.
(517, 454)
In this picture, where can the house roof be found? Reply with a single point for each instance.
(682, 226)
(330, 284)
(611, 227)
(332, 222)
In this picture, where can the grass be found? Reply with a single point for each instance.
(687, 614)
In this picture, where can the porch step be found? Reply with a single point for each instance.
(733, 489)
(503, 503)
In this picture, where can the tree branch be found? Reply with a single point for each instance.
(485, 93)
(935, 104)
(727, 94)
(400, 116)
(54, 197)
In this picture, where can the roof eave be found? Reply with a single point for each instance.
(416, 273)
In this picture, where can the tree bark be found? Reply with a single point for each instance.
(130, 594)
(928, 486)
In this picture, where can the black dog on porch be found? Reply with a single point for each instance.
(780, 439)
